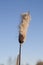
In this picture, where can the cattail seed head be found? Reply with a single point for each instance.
(24, 26)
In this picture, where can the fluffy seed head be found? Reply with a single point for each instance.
(25, 20)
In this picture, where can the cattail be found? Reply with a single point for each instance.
(17, 62)
(24, 26)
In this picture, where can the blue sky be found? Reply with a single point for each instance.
(32, 49)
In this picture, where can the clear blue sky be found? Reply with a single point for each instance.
(32, 49)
